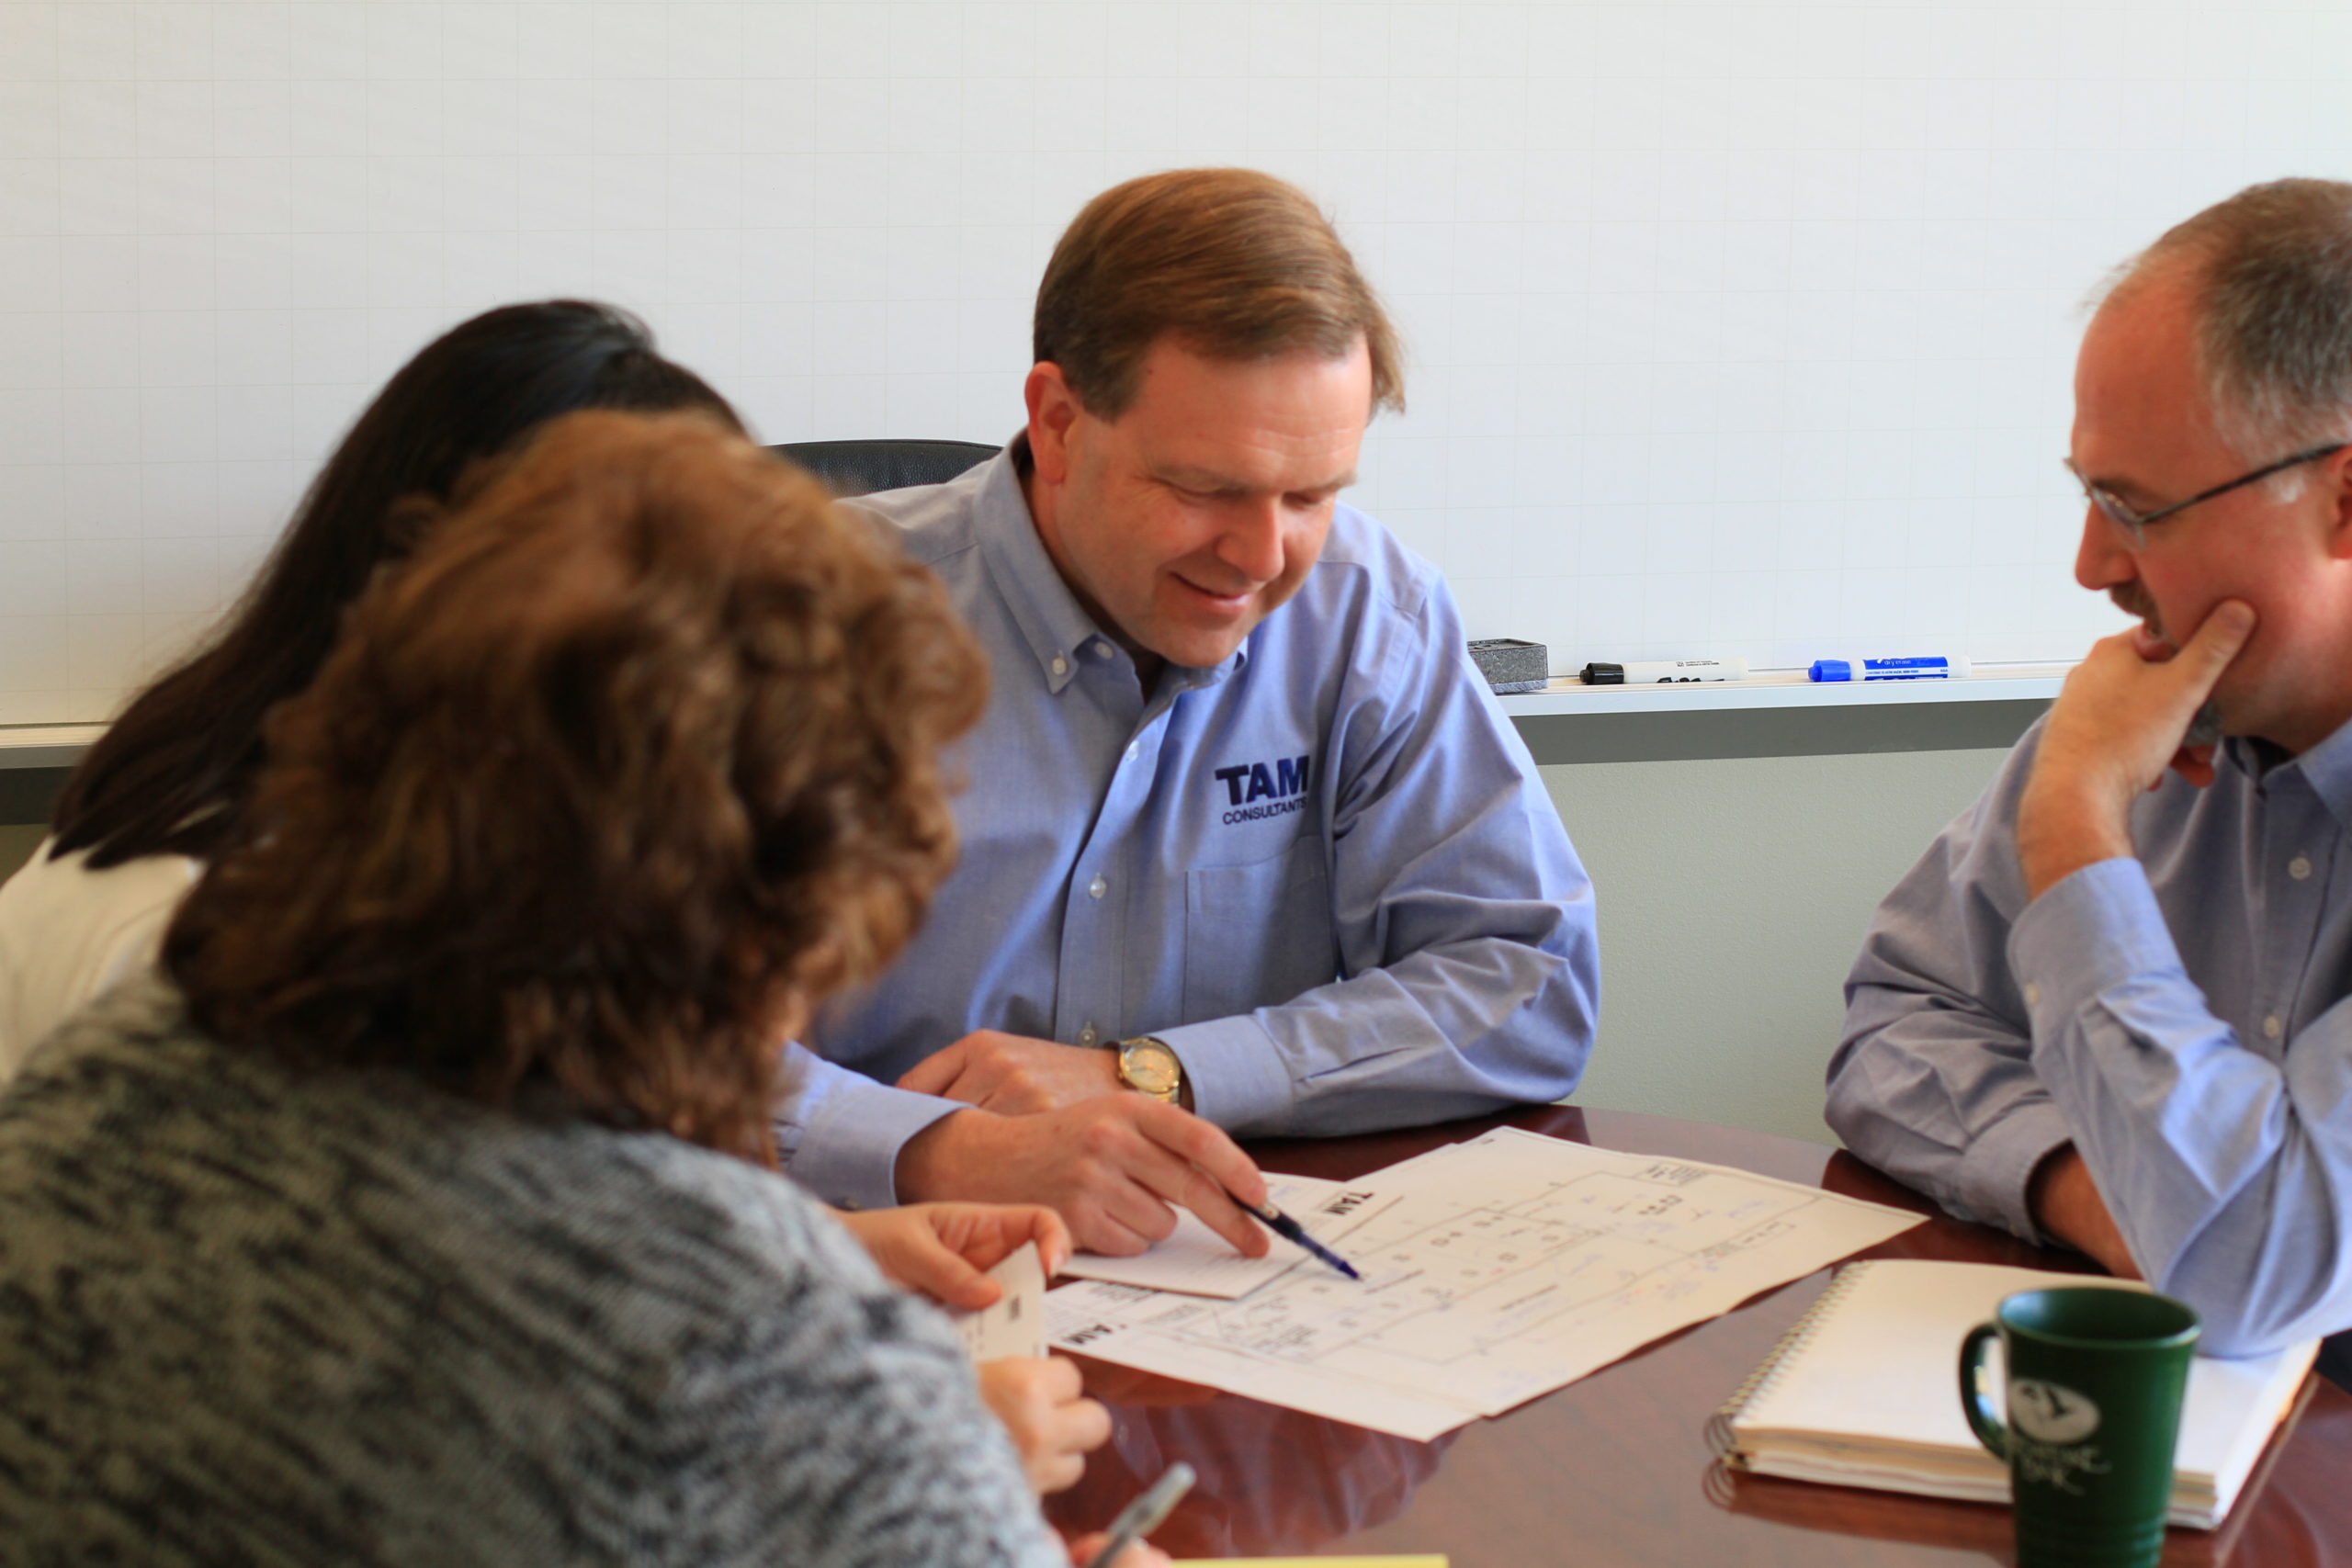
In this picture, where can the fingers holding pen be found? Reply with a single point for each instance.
(1197, 1166)
(1112, 1165)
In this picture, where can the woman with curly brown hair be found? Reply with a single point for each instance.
(422, 1209)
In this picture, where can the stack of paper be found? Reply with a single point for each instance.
(1495, 1271)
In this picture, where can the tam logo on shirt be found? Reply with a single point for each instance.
(1255, 790)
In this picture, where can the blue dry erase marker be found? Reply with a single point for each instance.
(1146, 1513)
(1932, 667)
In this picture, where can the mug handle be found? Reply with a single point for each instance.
(1972, 1403)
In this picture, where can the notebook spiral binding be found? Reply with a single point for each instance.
(1720, 1438)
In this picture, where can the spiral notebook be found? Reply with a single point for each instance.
(1865, 1392)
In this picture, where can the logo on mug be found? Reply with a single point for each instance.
(2051, 1412)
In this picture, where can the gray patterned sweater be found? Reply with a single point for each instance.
(252, 1317)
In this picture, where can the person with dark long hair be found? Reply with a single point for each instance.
(160, 790)
(421, 1206)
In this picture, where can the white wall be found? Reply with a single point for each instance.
(1736, 327)
(1733, 896)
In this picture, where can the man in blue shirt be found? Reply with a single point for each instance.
(1246, 845)
(2110, 1008)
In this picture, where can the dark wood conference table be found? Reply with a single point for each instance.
(1615, 1469)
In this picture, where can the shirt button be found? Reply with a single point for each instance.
(2271, 1027)
(1087, 1036)
(1096, 889)
(2298, 868)
(1100, 650)
(2032, 995)
(1060, 666)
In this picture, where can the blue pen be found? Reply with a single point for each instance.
(1933, 667)
(1290, 1230)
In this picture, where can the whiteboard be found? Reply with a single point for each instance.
(1734, 329)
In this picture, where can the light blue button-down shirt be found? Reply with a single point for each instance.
(1324, 871)
(2182, 1018)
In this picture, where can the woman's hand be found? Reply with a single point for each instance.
(1041, 1401)
(945, 1250)
(1142, 1554)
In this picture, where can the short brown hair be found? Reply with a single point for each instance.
(639, 745)
(1237, 263)
(2271, 269)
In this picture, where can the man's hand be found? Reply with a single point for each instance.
(2066, 1204)
(943, 1251)
(1042, 1402)
(2118, 723)
(1013, 1075)
(1112, 1165)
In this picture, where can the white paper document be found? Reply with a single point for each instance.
(1495, 1271)
(1197, 1261)
(1015, 1325)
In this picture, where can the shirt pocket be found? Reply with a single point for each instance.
(1256, 936)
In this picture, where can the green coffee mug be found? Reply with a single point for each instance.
(2096, 1376)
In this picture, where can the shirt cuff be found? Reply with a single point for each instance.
(1235, 1073)
(2086, 935)
(849, 1141)
(1997, 1176)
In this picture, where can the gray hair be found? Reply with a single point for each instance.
(2271, 268)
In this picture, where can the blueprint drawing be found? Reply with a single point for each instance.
(1495, 1271)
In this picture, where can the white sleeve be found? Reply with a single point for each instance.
(68, 933)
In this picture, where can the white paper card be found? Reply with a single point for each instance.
(1015, 1325)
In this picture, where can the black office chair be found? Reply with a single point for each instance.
(860, 467)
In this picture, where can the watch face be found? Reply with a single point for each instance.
(1148, 1066)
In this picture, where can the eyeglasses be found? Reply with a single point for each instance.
(2135, 524)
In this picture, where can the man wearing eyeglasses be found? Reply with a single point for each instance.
(2112, 1005)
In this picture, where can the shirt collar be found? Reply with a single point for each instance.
(1047, 612)
(1057, 627)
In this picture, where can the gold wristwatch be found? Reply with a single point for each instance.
(1148, 1067)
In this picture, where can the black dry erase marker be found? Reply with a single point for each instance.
(1666, 672)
